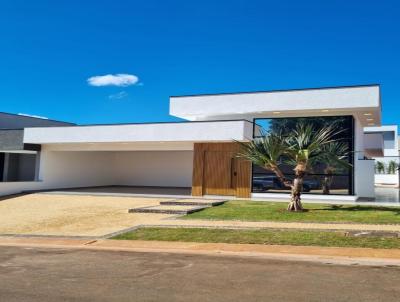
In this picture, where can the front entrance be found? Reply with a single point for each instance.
(218, 171)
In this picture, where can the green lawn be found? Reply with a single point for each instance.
(263, 236)
(268, 211)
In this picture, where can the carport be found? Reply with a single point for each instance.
(133, 159)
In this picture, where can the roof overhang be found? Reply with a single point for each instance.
(140, 136)
(363, 102)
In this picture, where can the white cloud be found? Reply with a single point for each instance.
(120, 79)
(118, 96)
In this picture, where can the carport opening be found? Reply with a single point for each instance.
(119, 172)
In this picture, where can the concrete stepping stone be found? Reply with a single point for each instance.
(194, 202)
(169, 209)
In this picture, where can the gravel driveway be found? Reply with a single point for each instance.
(73, 215)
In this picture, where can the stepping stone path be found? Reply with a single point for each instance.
(180, 206)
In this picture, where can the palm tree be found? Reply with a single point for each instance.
(380, 167)
(336, 154)
(392, 167)
(303, 147)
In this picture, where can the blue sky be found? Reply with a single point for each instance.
(49, 50)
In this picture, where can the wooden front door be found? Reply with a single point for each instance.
(219, 173)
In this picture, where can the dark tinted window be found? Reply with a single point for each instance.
(324, 178)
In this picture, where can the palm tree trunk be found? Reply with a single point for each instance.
(327, 183)
(295, 203)
(328, 180)
(280, 176)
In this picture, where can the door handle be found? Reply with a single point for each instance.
(233, 173)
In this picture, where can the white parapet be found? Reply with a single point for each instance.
(240, 130)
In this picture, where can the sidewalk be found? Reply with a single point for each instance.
(331, 255)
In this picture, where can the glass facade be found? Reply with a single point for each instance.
(323, 177)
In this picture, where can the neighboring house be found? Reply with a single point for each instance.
(19, 161)
(200, 153)
(386, 155)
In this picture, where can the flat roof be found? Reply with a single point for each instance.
(276, 90)
(362, 101)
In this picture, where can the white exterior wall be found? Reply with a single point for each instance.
(365, 179)
(387, 179)
(364, 170)
(154, 168)
(75, 169)
(358, 154)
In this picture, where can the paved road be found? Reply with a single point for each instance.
(31, 274)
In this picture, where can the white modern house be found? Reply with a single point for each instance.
(386, 154)
(198, 155)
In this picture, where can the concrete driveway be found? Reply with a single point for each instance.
(73, 215)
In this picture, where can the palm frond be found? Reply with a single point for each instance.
(265, 151)
(307, 145)
(336, 155)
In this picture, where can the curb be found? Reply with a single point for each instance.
(323, 255)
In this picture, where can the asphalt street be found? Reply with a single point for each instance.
(37, 274)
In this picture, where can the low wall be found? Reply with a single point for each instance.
(364, 178)
(387, 179)
(7, 188)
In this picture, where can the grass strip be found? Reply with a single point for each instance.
(270, 211)
(261, 236)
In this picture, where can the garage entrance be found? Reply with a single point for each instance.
(113, 171)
